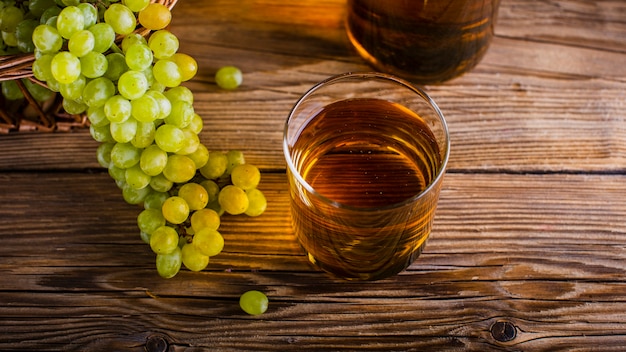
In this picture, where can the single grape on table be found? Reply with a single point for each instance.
(253, 302)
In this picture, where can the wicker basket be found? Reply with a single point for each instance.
(28, 115)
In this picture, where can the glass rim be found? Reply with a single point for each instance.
(382, 76)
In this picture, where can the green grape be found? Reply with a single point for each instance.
(65, 67)
(179, 168)
(97, 116)
(187, 64)
(70, 21)
(175, 210)
(181, 115)
(145, 108)
(155, 201)
(190, 143)
(104, 36)
(163, 43)
(153, 160)
(133, 195)
(121, 18)
(149, 220)
(215, 205)
(132, 84)
(145, 237)
(208, 241)
(144, 136)
(205, 218)
(11, 90)
(53, 84)
(70, 2)
(179, 93)
(160, 183)
(132, 39)
(216, 166)
(98, 91)
(169, 138)
(124, 132)
(254, 302)
(38, 92)
(193, 259)
(233, 200)
(24, 35)
(245, 176)
(94, 65)
(155, 16)
(163, 240)
(38, 7)
(256, 202)
(212, 188)
(49, 13)
(136, 178)
(103, 154)
(154, 84)
(10, 40)
(52, 21)
(101, 133)
(125, 155)
(118, 174)
(165, 107)
(200, 156)
(10, 17)
(194, 194)
(126, 194)
(90, 13)
(139, 57)
(116, 66)
(167, 73)
(235, 157)
(228, 77)
(73, 90)
(81, 43)
(74, 107)
(41, 67)
(117, 109)
(136, 5)
(196, 124)
(168, 265)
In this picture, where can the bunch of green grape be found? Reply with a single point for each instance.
(146, 124)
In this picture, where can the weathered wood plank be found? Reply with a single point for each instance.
(542, 252)
(534, 104)
(480, 219)
(529, 235)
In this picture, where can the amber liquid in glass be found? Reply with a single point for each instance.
(367, 160)
(426, 41)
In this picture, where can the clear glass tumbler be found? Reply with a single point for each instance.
(366, 154)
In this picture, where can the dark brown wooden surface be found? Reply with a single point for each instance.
(528, 251)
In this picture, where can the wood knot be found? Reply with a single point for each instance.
(503, 331)
(156, 343)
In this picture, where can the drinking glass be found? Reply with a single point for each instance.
(366, 154)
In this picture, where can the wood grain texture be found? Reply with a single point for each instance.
(529, 240)
(542, 252)
(547, 97)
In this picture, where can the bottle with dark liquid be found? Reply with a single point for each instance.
(425, 41)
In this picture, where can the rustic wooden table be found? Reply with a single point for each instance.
(529, 244)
